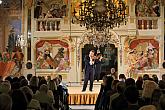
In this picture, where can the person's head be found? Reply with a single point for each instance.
(139, 84)
(155, 78)
(146, 77)
(19, 100)
(114, 83)
(162, 102)
(57, 81)
(60, 77)
(15, 85)
(5, 102)
(130, 82)
(120, 86)
(34, 81)
(52, 85)
(148, 88)
(42, 81)
(155, 97)
(161, 84)
(21, 77)
(122, 77)
(28, 93)
(113, 70)
(140, 78)
(163, 77)
(23, 82)
(131, 93)
(48, 78)
(29, 76)
(8, 78)
(5, 87)
(15, 79)
(91, 53)
(148, 107)
(43, 88)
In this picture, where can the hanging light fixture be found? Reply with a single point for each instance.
(0, 1)
(100, 14)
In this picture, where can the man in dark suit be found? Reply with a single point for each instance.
(98, 62)
(89, 70)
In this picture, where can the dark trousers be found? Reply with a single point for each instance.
(97, 75)
(89, 75)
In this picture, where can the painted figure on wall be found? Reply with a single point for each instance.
(53, 54)
(147, 8)
(55, 8)
(12, 40)
(141, 55)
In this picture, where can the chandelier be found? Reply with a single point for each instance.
(99, 15)
(99, 38)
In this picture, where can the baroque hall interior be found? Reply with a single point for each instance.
(54, 38)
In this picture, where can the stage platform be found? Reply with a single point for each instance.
(77, 97)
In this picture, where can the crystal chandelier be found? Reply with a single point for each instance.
(100, 14)
(100, 38)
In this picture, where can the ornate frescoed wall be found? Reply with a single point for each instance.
(140, 55)
(53, 54)
(51, 9)
(147, 8)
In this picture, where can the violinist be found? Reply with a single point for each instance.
(89, 70)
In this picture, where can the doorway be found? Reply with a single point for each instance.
(109, 53)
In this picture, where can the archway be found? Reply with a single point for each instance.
(109, 51)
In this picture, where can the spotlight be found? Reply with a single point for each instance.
(0, 1)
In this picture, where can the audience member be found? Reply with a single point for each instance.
(148, 88)
(5, 87)
(29, 76)
(19, 100)
(122, 77)
(130, 82)
(162, 102)
(5, 102)
(131, 93)
(155, 97)
(34, 81)
(43, 97)
(148, 107)
(163, 77)
(146, 77)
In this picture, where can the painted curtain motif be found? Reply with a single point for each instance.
(147, 8)
(52, 54)
(140, 55)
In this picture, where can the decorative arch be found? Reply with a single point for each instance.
(115, 38)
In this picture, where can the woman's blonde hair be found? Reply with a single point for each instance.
(52, 85)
